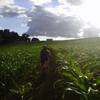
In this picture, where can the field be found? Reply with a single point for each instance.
(78, 70)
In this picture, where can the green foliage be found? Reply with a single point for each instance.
(76, 71)
(81, 85)
(17, 69)
(79, 67)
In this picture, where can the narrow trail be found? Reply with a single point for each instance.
(44, 90)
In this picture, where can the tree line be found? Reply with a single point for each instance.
(7, 36)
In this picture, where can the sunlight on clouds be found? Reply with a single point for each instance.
(71, 2)
(43, 38)
(40, 2)
(17, 8)
(89, 12)
(60, 10)
(6, 2)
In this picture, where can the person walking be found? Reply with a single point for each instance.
(45, 59)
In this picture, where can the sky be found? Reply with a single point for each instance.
(53, 18)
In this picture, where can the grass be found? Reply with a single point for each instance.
(19, 71)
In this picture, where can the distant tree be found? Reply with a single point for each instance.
(6, 31)
(14, 36)
(8, 37)
(25, 37)
(35, 39)
(1, 36)
(1, 31)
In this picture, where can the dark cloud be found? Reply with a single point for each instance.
(45, 22)
(91, 32)
(75, 2)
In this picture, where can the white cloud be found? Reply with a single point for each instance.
(6, 2)
(43, 38)
(8, 8)
(40, 2)
(16, 8)
(62, 1)
(24, 19)
(12, 10)
(60, 10)
(22, 16)
(75, 2)
(71, 2)
(64, 8)
(24, 25)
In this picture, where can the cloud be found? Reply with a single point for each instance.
(46, 23)
(6, 2)
(8, 8)
(60, 10)
(11, 10)
(72, 2)
(40, 2)
(91, 32)
(75, 2)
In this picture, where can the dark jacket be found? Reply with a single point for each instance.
(44, 55)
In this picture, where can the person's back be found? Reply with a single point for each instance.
(44, 62)
(45, 75)
(44, 55)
